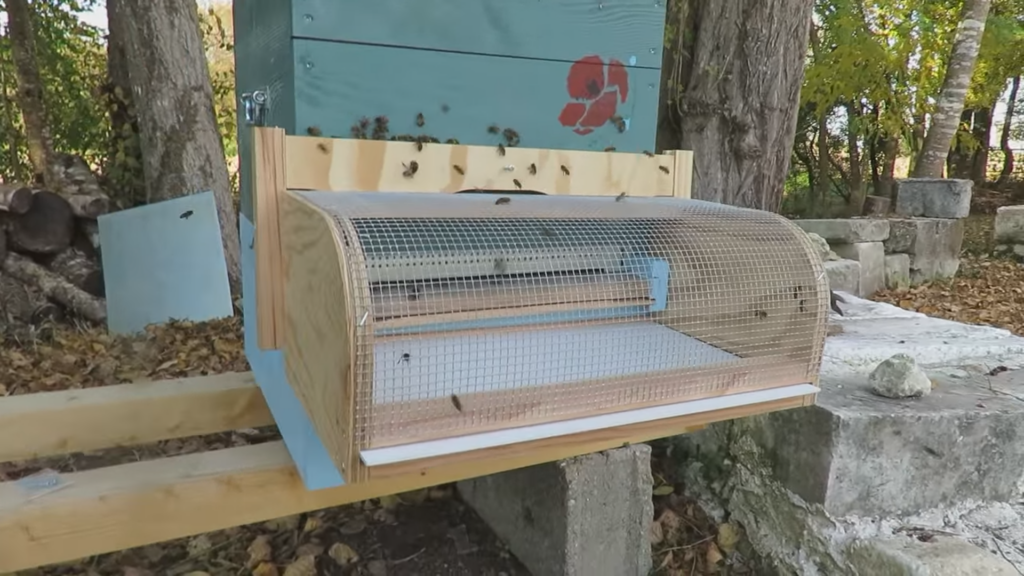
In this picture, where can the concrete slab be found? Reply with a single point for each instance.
(930, 555)
(871, 256)
(1009, 225)
(934, 197)
(847, 230)
(897, 271)
(843, 275)
(583, 516)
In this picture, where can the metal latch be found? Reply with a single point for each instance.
(255, 106)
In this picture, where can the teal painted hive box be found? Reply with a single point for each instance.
(560, 74)
(565, 74)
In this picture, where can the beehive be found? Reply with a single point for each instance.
(418, 325)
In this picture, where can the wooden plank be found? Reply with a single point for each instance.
(320, 330)
(350, 165)
(683, 173)
(337, 84)
(49, 423)
(135, 504)
(268, 186)
(263, 61)
(629, 30)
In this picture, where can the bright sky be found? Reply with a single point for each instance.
(97, 16)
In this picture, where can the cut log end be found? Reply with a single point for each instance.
(46, 228)
(16, 200)
(89, 206)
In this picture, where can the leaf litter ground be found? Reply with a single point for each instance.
(424, 532)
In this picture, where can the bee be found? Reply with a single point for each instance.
(410, 169)
(511, 137)
(620, 197)
(459, 169)
(502, 200)
(456, 402)
(420, 120)
(500, 266)
(406, 357)
(501, 150)
(517, 183)
(494, 129)
(445, 108)
(419, 146)
(322, 147)
(760, 314)
(314, 131)
(451, 141)
(547, 232)
(565, 170)
(610, 149)
(186, 215)
(252, 243)
(619, 123)
(663, 169)
(649, 154)
(364, 122)
(533, 169)
(593, 88)
(358, 132)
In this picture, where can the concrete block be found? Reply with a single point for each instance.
(897, 271)
(1009, 225)
(871, 256)
(939, 556)
(843, 275)
(933, 243)
(578, 517)
(934, 197)
(847, 230)
(856, 453)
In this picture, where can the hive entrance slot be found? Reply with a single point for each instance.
(453, 299)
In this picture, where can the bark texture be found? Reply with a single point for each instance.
(733, 72)
(950, 102)
(182, 151)
(30, 92)
(1004, 136)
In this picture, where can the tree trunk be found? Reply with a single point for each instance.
(30, 92)
(125, 178)
(13, 136)
(740, 66)
(982, 133)
(821, 193)
(855, 184)
(1004, 135)
(958, 159)
(951, 97)
(887, 182)
(181, 147)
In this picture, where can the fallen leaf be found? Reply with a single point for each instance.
(377, 568)
(265, 569)
(353, 526)
(199, 545)
(728, 536)
(657, 533)
(259, 551)
(343, 554)
(390, 502)
(304, 566)
(309, 549)
(713, 556)
(312, 523)
(664, 490)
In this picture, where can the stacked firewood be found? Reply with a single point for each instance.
(49, 248)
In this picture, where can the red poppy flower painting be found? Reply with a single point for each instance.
(597, 89)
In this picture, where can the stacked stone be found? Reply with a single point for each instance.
(1009, 230)
(921, 244)
(930, 230)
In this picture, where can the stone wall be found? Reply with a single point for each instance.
(920, 243)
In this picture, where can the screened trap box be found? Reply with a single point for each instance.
(420, 327)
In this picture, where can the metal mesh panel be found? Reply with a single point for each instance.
(477, 312)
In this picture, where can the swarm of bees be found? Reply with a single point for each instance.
(410, 169)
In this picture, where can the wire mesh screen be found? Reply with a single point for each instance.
(477, 311)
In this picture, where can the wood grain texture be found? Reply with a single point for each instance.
(561, 30)
(120, 507)
(337, 84)
(50, 423)
(268, 187)
(319, 334)
(343, 164)
(263, 61)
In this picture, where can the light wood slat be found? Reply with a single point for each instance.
(120, 507)
(49, 423)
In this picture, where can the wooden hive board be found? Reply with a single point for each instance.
(118, 507)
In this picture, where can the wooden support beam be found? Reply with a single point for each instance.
(130, 505)
(49, 423)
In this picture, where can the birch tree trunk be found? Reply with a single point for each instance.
(182, 152)
(734, 77)
(29, 94)
(950, 104)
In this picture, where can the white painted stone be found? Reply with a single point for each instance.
(871, 256)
